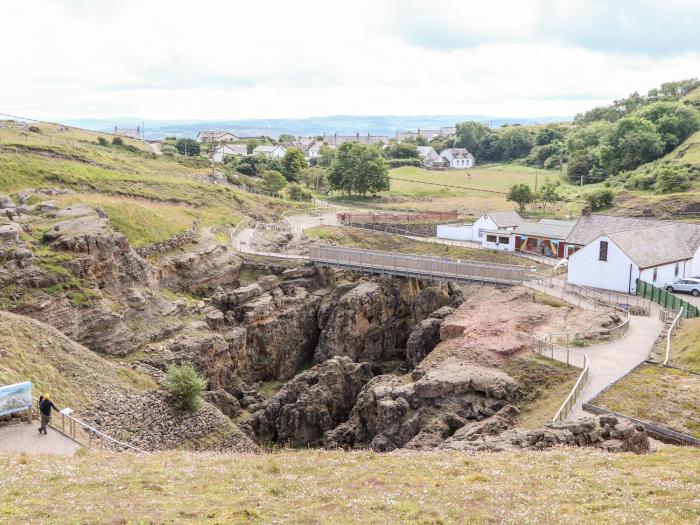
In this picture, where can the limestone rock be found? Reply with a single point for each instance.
(423, 338)
(9, 232)
(312, 403)
(224, 401)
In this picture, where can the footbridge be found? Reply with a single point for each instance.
(420, 267)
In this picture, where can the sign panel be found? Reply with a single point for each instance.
(15, 398)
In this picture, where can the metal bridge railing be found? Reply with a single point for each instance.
(404, 265)
(86, 435)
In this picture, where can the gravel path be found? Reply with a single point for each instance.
(25, 437)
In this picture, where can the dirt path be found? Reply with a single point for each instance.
(25, 437)
(155, 148)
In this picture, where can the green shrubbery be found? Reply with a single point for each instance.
(660, 178)
(600, 199)
(186, 387)
(397, 163)
(297, 193)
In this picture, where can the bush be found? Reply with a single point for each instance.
(186, 387)
(168, 150)
(34, 129)
(397, 163)
(600, 199)
(297, 193)
(118, 141)
(671, 179)
(102, 141)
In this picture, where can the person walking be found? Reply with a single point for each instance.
(45, 406)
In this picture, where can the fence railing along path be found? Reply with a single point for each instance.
(418, 266)
(86, 435)
(672, 330)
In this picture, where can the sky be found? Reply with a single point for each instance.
(156, 59)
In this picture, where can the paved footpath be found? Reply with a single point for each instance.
(24, 437)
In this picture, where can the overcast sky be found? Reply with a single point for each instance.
(227, 60)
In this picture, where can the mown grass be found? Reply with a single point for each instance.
(685, 346)
(357, 238)
(657, 394)
(315, 487)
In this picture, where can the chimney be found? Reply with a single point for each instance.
(586, 211)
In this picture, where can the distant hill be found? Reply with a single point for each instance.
(342, 124)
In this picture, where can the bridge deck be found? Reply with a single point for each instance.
(420, 267)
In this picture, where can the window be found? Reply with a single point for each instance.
(504, 240)
(655, 275)
(603, 251)
(675, 273)
(481, 232)
(491, 238)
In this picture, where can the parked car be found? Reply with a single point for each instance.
(689, 285)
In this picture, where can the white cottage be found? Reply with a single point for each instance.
(458, 158)
(229, 149)
(271, 152)
(614, 258)
(506, 221)
(216, 137)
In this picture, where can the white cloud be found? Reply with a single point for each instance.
(172, 59)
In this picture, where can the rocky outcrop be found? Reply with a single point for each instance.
(371, 320)
(605, 432)
(392, 412)
(149, 421)
(168, 245)
(312, 403)
(202, 271)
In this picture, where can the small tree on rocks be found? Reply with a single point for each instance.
(186, 387)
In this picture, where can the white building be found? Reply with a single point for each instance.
(498, 240)
(429, 156)
(229, 149)
(271, 152)
(619, 250)
(455, 232)
(504, 221)
(458, 158)
(216, 136)
(314, 150)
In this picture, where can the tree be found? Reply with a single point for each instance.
(403, 150)
(186, 387)
(674, 121)
(635, 141)
(118, 141)
(102, 141)
(326, 155)
(470, 135)
(273, 181)
(315, 178)
(358, 168)
(520, 194)
(293, 163)
(549, 134)
(548, 192)
(671, 179)
(188, 147)
(600, 199)
(286, 138)
(516, 142)
(252, 165)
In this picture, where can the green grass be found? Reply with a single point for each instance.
(544, 385)
(356, 238)
(687, 153)
(685, 346)
(314, 487)
(659, 395)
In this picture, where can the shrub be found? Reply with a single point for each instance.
(297, 193)
(671, 179)
(118, 141)
(34, 129)
(600, 199)
(397, 163)
(168, 150)
(186, 387)
(102, 141)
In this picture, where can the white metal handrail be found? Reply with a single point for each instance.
(546, 348)
(615, 332)
(672, 330)
(88, 436)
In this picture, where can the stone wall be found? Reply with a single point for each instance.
(417, 229)
(173, 243)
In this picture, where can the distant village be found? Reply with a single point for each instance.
(226, 143)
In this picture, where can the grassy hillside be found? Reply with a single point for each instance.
(685, 346)
(356, 238)
(148, 198)
(314, 487)
(657, 394)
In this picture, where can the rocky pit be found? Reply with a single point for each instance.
(299, 357)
